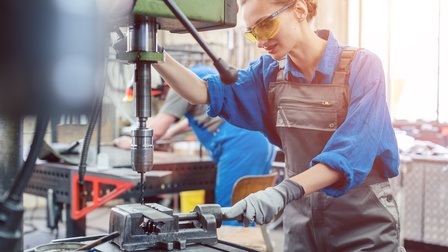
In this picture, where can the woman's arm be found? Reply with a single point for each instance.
(317, 177)
(183, 81)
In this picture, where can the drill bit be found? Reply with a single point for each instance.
(142, 190)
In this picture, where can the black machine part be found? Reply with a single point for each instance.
(11, 208)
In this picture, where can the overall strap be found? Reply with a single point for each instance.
(342, 72)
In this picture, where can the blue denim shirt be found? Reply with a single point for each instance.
(367, 132)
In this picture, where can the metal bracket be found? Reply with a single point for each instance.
(79, 211)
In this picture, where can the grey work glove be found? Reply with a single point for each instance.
(262, 206)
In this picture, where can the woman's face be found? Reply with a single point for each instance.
(282, 40)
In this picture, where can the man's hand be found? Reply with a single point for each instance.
(123, 142)
(262, 206)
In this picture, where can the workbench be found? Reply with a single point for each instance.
(422, 192)
(172, 173)
(221, 246)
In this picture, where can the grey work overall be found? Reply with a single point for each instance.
(364, 219)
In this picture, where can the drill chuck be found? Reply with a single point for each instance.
(142, 150)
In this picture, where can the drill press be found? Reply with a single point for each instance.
(146, 17)
(149, 226)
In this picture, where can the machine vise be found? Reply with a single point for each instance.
(152, 225)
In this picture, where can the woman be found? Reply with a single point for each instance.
(328, 115)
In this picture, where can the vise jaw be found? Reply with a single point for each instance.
(155, 226)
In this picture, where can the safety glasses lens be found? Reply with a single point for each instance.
(250, 36)
(267, 28)
(264, 30)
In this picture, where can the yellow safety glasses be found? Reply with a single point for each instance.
(267, 27)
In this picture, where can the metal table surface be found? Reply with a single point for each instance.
(172, 173)
(110, 247)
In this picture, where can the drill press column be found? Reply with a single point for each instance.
(141, 39)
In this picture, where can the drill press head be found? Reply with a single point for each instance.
(211, 15)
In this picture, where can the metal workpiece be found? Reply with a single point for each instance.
(142, 150)
(152, 225)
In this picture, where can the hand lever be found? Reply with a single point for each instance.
(227, 74)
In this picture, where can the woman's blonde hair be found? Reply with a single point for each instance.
(310, 4)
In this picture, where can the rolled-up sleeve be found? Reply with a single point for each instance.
(245, 103)
(215, 92)
(366, 132)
